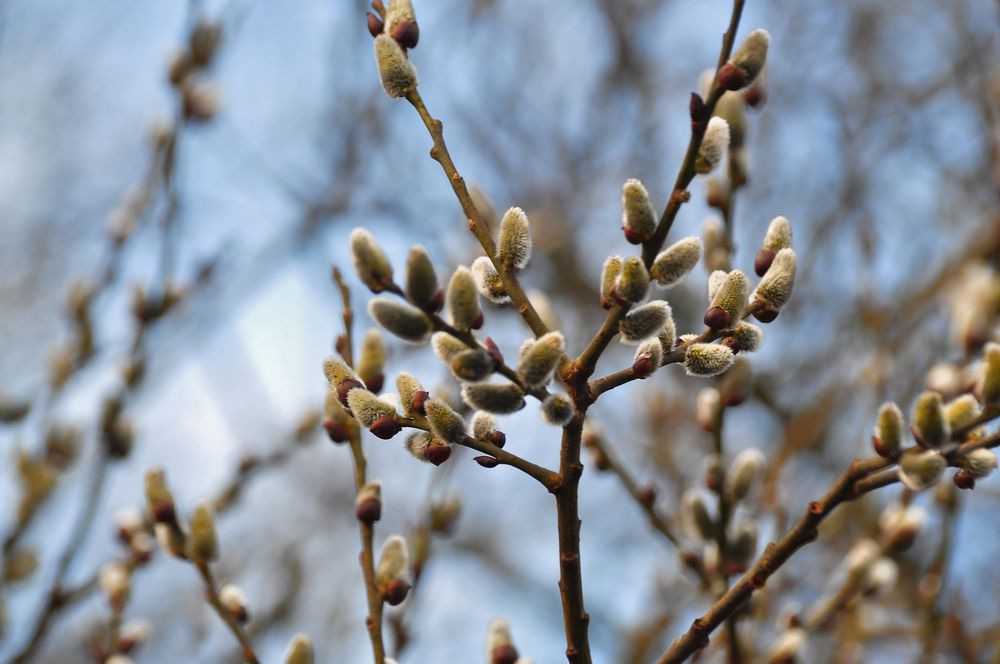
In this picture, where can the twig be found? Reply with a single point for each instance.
(575, 616)
(439, 153)
(367, 556)
(212, 595)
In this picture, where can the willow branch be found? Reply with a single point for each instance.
(862, 476)
(440, 154)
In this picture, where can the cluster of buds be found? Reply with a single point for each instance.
(395, 30)
(188, 68)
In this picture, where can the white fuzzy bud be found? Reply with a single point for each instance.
(400, 319)
(488, 281)
(644, 322)
(632, 283)
(498, 398)
(989, 388)
(707, 360)
(962, 411)
(729, 301)
(514, 247)
(421, 286)
(446, 347)
(445, 422)
(751, 56)
(775, 288)
(708, 408)
(713, 146)
(463, 300)
(695, 517)
(371, 263)
(540, 357)
(483, 425)
(888, 436)
(676, 261)
(393, 561)
(979, 463)
(609, 277)
(557, 410)
(929, 422)
(921, 470)
(638, 214)
(394, 68)
(368, 408)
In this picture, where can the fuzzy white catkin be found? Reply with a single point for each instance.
(488, 281)
(445, 422)
(395, 70)
(300, 650)
(921, 470)
(775, 288)
(638, 214)
(370, 262)
(675, 262)
(644, 322)
(514, 247)
(463, 299)
(400, 319)
(393, 561)
(557, 410)
(707, 360)
(751, 56)
(713, 145)
(497, 398)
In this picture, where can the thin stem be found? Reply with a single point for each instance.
(575, 616)
(212, 595)
(550, 479)
(366, 558)
(440, 154)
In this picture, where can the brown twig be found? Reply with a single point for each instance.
(212, 596)
(367, 556)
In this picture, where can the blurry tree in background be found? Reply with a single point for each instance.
(177, 179)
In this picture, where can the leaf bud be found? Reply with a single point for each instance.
(695, 517)
(928, 422)
(463, 300)
(499, 644)
(729, 301)
(674, 263)
(713, 146)
(962, 412)
(498, 398)
(775, 288)
(648, 358)
(708, 408)
(395, 70)
(735, 386)
(707, 360)
(638, 215)
(421, 285)
(235, 602)
(300, 651)
(203, 545)
(644, 322)
(473, 365)
(632, 283)
(921, 470)
(445, 423)
(400, 319)
(368, 503)
(888, 437)
(778, 237)
(488, 281)
(371, 263)
(743, 473)
(744, 337)
(539, 358)
(514, 246)
(557, 410)
(372, 360)
(609, 277)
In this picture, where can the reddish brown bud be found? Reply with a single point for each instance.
(375, 25)
(378, 7)
(634, 236)
(385, 427)
(396, 591)
(437, 454)
(437, 301)
(763, 261)
(419, 398)
(375, 383)
(369, 510)
(718, 318)
(406, 34)
(493, 350)
(601, 461)
(341, 346)
(755, 96)
(880, 449)
(647, 495)
(697, 108)
(163, 513)
(643, 367)
(732, 77)
(486, 461)
(499, 438)
(504, 653)
(344, 388)
(337, 432)
(765, 315)
(964, 480)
